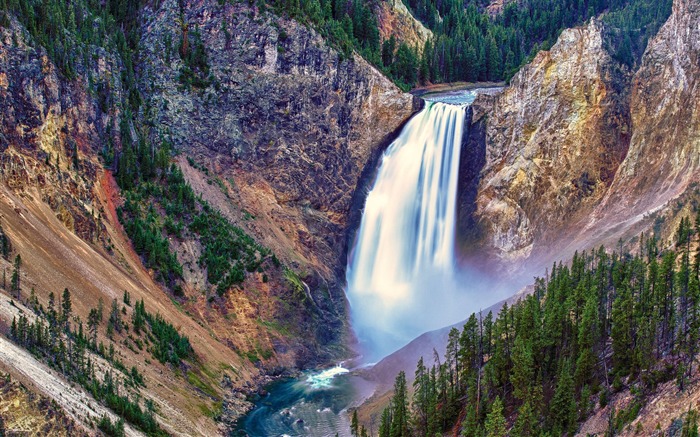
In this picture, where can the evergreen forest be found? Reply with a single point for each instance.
(605, 323)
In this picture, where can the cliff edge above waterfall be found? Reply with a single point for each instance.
(553, 141)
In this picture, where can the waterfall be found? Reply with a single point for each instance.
(401, 269)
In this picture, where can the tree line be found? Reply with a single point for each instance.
(606, 322)
(468, 43)
(58, 337)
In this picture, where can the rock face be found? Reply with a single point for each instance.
(394, 18)
(285, 124)
(553, 141)
(578, 150)
(58, 211)
(281, 135)
(664, 152)
(45, 121)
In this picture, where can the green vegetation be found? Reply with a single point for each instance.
(51, 337)
(58, 338)
(606, 323)
(195, 69)
(352, 25)
(5, 245)
(16, 277)
(173, 210)
(148, 230)
(633, 25)
(228, 251)
(170, 346)
(111, 429)
(469, 44)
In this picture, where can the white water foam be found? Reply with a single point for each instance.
(324, 379)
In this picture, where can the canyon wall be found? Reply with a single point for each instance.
(281, 136)
(553, 141)
(285, 126)
(579, 150)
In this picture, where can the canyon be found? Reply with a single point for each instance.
(284, 141)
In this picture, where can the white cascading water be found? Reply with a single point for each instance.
(401, 270)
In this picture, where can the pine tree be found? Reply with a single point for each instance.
(399, 415)
(470, 426)
(496, 425)
(523, 369)
(563, 405)
(355, 425)
(93, 324)
(16, 277)
(587, 335)
(66, 309)
(385, 422)
(5, 246)
(622, 326)
(115, 320)
(421, 398)
(138, 317)
(388, 49)
(526, 422)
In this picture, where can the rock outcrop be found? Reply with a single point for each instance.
(52, 129)
(553, 141)
(394, 18)
(664, 152)
(579, 151)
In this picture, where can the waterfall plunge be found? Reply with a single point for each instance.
(401, 270)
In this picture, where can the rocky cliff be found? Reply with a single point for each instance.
(394, 18)
(286, 127)
(664, 152)
(57, 208)
(273, 128)
(52, 129)
(578, 148)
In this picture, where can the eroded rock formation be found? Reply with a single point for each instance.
(578, 149)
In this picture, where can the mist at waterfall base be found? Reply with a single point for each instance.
(401, 273)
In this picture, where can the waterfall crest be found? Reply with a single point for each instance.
(402, 263)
